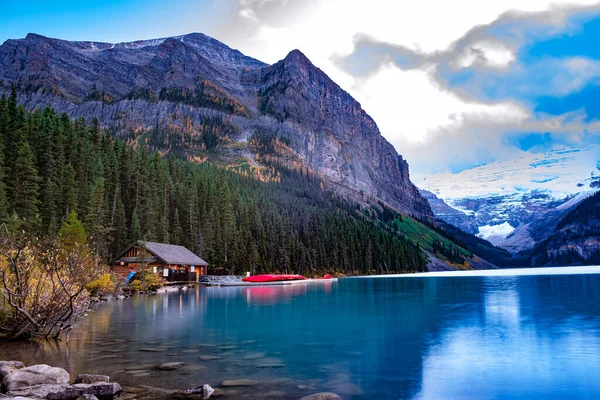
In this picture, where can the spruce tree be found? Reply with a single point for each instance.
(24, 182)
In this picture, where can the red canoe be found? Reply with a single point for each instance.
(273, 278)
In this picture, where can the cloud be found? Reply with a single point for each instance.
(486, 53)
(443, 80)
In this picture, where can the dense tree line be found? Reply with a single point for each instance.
(50, 166)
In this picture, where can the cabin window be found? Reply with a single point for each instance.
(192, 268)
(154, 270)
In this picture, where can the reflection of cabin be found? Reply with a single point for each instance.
(174, 263)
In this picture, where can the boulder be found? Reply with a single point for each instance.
(7, 367)
(40, 374)
(91, 378)
(322, 396)
(38, 391)
(205, 390)
(99, 389)
(170, 366)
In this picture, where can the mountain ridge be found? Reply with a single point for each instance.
(516, 203)
(175, 93)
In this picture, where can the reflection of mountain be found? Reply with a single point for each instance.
(516, 204)
(521, 330)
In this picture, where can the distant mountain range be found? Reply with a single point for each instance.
(518, 203)
(576, 238)
(186, 94)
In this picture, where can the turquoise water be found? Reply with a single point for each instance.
(483, 337)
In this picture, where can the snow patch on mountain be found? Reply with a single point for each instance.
(517, 202)
(488, 232)
(558, 173)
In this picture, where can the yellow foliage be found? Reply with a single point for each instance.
(105, 284)
(136, 285)
(151, 281)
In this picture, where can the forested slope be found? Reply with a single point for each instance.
(239, 219)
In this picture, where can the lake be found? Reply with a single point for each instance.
(487, 335)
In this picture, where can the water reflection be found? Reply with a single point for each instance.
(430, 338)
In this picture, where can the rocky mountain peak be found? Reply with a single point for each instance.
(178, 88)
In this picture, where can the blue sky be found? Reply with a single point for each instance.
(109, 20)
(450, 84)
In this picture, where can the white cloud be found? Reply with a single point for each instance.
(412, 110)
(486, 53)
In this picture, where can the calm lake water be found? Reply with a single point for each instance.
(436, 337)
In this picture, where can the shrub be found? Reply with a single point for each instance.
(105, 284)
(136, 286)
(152, 281)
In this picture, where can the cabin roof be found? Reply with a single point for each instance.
(169, 253)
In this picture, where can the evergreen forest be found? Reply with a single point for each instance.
(51, 165)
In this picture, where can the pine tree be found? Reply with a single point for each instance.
(3, 197)
(135, 232)
(24, 183)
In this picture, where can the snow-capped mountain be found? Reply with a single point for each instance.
(516, 203)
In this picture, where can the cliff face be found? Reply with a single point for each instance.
(334, 135)
(576, 239)
(175, 88)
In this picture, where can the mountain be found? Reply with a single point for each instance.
(516, 203)
(51, 166)
(194, 96)
(576, 239)
(464, 221)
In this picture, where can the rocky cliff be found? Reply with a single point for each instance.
(576, 239)
(192, 94)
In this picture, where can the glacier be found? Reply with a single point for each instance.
(528, 193)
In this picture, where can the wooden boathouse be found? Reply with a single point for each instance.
(172, 262)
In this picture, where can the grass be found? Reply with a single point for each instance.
(425, 236)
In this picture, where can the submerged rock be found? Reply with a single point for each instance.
(349, 389)
(159, 390)
(209, 358)
(253, 356)
(270, 365)
(239, 382)
(322, 396)
(169, 366)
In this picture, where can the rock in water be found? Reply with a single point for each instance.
(7, 367)
(91, 378)
(170, 366)
(206, 390)
(239, 382)
(322, 396)
(41, 374)
(209, 358)
(100, 389)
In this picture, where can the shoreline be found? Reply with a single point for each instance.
(575, 270)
